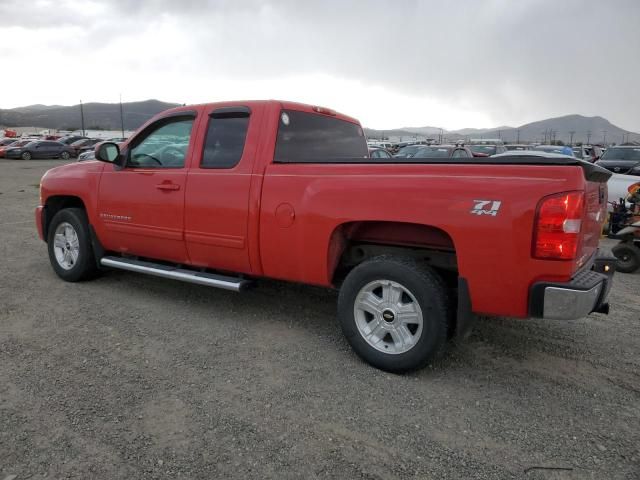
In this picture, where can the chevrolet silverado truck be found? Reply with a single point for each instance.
(224, 194)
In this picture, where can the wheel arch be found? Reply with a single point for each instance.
(54, 204)
(384, 235)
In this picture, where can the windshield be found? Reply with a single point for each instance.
(407, 151)
(555, 149)
(488, 149)
(622, 154)
(432, 152)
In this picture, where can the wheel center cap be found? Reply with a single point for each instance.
(388, 316)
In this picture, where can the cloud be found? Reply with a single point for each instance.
(493, 62)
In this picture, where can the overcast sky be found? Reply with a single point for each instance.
(449, 64)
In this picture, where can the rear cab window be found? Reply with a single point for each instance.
(225, 138)
(305, 137)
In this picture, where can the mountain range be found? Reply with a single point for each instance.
(107, 116)
(576, 128)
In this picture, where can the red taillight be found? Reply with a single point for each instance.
(557, 226)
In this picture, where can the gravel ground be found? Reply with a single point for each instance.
(130, 376)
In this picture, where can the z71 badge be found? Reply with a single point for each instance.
(486, 207)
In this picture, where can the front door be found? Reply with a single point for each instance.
(141, 206)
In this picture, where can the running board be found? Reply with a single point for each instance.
(175, 273)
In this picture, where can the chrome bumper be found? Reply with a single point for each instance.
(587, 292)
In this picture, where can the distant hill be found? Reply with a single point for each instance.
(102, 115)
(559, 128)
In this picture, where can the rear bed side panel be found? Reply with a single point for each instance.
(494, 252)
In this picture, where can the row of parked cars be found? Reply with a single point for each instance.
(71, 146)
(623, 159)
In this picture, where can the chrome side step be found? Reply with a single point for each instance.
(175, 273)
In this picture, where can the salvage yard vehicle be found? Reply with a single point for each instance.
(487, 146)
(40, 149)
(623, 159)
(223, 194)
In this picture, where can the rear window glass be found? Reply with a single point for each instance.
(488, 149)
(432, 152)
(225, 141)
(309, 137)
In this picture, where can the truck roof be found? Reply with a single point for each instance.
(285, 105)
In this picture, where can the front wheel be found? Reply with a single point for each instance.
(628, 257)
(65, 155)
(394, 313)
(69, 244)
(26, 156)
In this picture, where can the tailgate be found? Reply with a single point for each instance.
(595, 213)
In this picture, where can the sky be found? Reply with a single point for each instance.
(389, 63)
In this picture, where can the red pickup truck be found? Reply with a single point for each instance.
(225, 193)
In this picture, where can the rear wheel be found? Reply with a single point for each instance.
(26, 156)
(65, 155)
(69, 244)
(393, 311)
(628, 256)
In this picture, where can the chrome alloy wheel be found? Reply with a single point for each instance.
(388, 316)
(66, 246)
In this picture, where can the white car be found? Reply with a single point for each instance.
(618, 186)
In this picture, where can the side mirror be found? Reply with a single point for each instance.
(107, 152)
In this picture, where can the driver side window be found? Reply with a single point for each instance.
(164, 147)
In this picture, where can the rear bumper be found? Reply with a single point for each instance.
(587, 292)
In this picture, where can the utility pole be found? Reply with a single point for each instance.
(121, 117)
(500, 134)
(82, 117)
(589, 137)
(572, 133)
(604, 137)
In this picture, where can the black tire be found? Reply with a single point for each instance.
(85, 265)
(429, 291)
(628, 256)
(65, 155)
(26, 156)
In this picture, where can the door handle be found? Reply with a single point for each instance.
(168, 186)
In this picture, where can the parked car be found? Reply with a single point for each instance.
(517, 146)
(84, 144)
(558, 149)
(508, 238)
(68, 140)
(442, 151)
(379, 153)
(487, 147)
(87, 155)
(41, 149)
(7, 141)
(588, 153)
(407, 151)
(625, 160)
(618, 187)
(16, 143)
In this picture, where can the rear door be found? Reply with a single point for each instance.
(217, 202)
(141, 206)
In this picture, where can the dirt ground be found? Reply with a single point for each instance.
(131, 377)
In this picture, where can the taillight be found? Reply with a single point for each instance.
(557, 226)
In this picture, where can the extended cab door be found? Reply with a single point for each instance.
(219, 186)
(141, 206)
